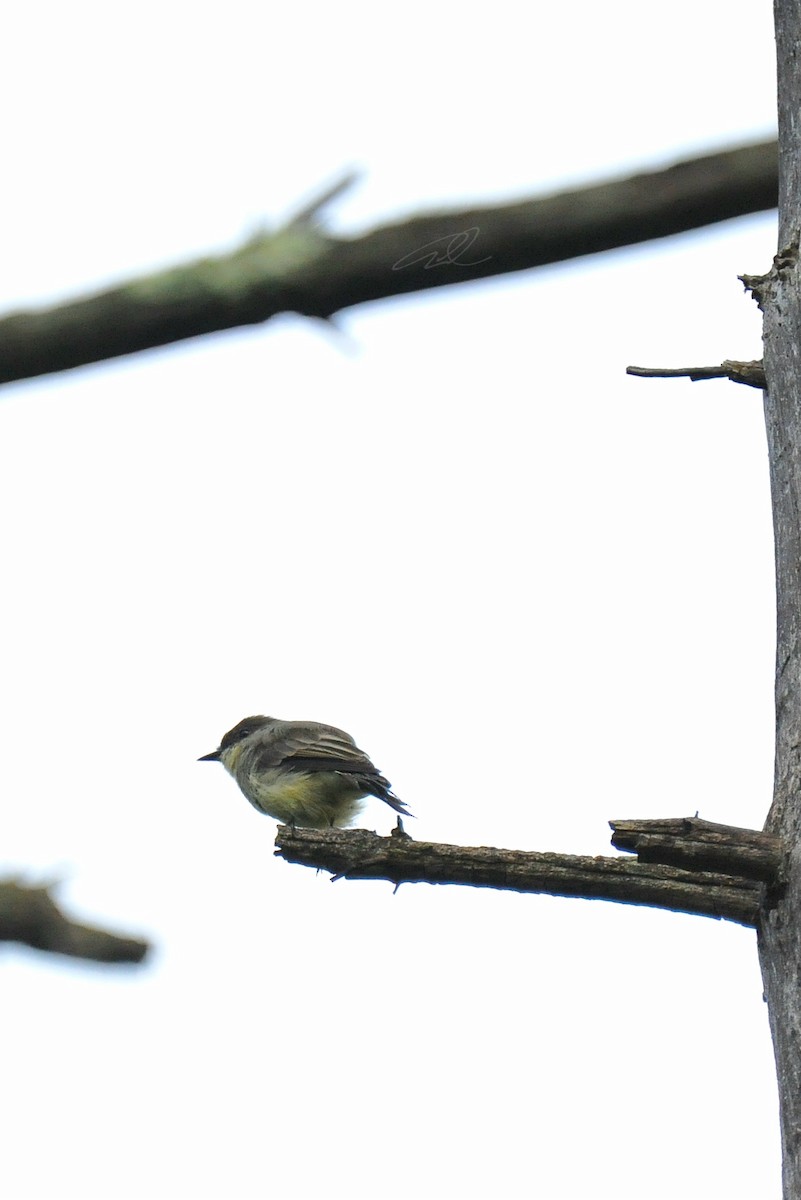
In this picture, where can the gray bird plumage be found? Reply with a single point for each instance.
(302, 772)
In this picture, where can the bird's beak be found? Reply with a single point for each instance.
(213, 757)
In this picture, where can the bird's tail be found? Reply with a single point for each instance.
(378, 786)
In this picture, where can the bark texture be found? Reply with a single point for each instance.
(359, 854)
(779, 296)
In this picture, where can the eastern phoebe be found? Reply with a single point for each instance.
(301, 772)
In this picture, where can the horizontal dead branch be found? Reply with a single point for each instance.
(750, 373)
(360, 854)
(301, 269)
(29, 915)
(698, 845)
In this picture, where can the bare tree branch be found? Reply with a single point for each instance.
(30, 915)
(751, 373)
(301, 269)
(699, 845)
(360, 854)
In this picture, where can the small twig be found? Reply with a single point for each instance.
(309, 213)
(750, 373)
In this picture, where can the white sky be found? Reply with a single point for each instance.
(537, 592)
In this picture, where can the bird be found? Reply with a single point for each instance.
(302, 773)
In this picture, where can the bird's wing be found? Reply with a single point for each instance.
(309, 746)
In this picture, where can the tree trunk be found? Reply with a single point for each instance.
(780, 298)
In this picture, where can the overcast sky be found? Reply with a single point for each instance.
(537, 592)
